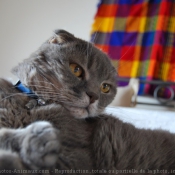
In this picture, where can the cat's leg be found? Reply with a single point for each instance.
(10, 163)
(38, 144)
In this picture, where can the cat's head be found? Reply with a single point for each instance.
(71, 72)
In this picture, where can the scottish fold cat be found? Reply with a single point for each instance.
(52, 120)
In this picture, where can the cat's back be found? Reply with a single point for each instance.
(11, 105)
(121, 146)
(7, 93)
(5, 85)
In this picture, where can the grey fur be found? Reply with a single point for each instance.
(71, 132)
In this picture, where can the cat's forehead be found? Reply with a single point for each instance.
(87, 53)
(84, 54)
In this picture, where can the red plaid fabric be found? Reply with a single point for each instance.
(139, 37)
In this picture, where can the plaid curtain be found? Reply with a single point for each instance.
(139, 37)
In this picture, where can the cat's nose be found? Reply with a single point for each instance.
(92, 96)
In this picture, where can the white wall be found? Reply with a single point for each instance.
(25, 24)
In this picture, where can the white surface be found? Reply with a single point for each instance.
(25, 24)
(148, 119)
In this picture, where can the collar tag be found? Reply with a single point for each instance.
(32, 103)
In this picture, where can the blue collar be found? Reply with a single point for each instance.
(25, 90)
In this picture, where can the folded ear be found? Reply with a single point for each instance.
(61, 37)
(26, 70)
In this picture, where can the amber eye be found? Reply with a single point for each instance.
(76, 70)
(105, 88)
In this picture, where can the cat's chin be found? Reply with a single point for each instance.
(78, 112)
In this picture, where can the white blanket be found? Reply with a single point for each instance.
(142, 118)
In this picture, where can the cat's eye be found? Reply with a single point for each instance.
(76, 70)
(105, 88)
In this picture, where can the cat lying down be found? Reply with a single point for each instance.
(52, 120)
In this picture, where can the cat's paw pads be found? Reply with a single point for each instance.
(40, 146)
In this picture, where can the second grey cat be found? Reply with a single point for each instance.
(70, 133)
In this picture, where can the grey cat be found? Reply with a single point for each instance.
(58, 126)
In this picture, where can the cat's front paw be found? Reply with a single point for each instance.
(40, 146)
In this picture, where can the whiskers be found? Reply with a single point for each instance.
(12, 95)
(49, 94)
(48, 81)
(121, 66)
(44, 92)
